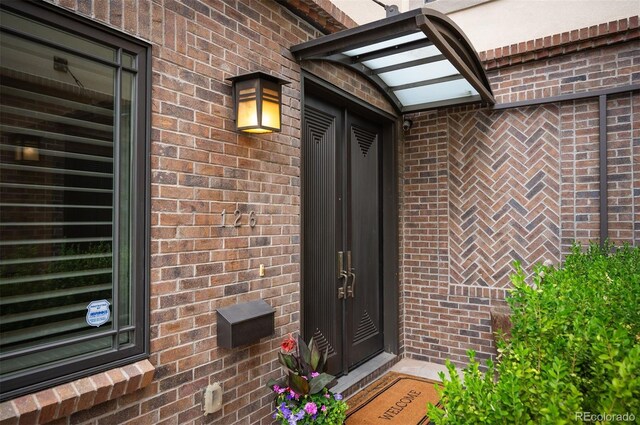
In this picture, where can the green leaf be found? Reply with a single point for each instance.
(287, 360)
(272, 382)
(315, 355)
(319, 382)
(303, 349)
(322, 364)
(298, 384)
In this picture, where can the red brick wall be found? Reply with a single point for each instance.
(482, 188)
(201, 166)
(454, 258)
(349, 82)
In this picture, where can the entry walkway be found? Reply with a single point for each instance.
(398, 396)
(419, 368)
(371, 370)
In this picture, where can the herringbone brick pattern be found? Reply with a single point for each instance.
(482, 188)
(504, 195)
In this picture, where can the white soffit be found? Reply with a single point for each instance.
(420, 60)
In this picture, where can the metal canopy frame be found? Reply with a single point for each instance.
(419, 60)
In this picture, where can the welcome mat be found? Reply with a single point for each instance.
(394, 399)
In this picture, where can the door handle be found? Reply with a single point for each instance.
(342, 274)
(351, 289)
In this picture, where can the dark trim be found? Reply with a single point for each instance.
(344, 193)
(65, 370)
(410, 64)
(434, 35)
(392, 50)
(302, 224)
(145, 274)
(604, 210)
(456, 101)
(357, 37)
(73, 23)
(568, 97)
(75, 52)
(373, 79)
(438, 30)
(389, 201)
(322, 85)
(390, 237)
(367, 74)
(428, 82)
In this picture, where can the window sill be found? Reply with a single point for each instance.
(64, 400)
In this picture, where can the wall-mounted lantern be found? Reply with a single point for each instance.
(257, 99)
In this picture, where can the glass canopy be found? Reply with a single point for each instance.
(419, 59)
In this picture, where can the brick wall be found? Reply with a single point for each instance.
(199, 167)
(482, 188)
(478, 189)
(349, 82)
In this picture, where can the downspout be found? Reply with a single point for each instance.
(604, 213)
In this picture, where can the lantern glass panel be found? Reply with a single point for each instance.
(270, 109)
(247, 108)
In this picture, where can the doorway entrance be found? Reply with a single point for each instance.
(342, 270)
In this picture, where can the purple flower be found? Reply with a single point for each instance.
(286, 412)
(337, 396)
(311, 408)
(293, 419)
(324, 408)
(314, 374)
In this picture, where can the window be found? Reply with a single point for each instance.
(73, 198)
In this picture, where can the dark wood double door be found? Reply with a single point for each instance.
(341, 229)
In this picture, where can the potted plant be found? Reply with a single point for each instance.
(303, 396)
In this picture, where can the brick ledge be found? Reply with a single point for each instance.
(559, 44)
(322, 14)
(61, 401)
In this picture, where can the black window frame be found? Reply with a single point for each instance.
(67, 370)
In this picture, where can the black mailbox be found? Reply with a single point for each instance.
(245, 323)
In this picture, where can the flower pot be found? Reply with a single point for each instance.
(320, 408)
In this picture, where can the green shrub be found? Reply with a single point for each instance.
(575, 347)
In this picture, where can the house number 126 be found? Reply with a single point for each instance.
(238, 217)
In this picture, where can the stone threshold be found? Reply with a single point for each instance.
(365, 374)
(423, 369)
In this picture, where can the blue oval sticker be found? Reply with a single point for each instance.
(98, 312)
